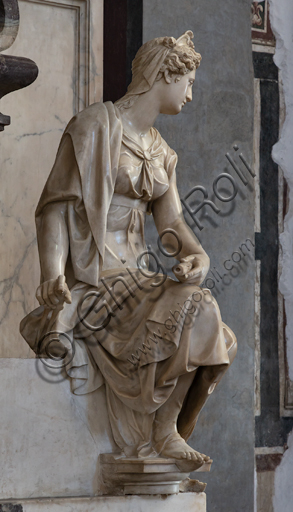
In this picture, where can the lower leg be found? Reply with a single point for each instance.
(167, 414)
(166, 439)
(205, 381)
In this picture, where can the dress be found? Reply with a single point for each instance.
(134, 333)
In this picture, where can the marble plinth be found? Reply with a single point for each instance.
(191, 502)
(123, 475)
(51, 439)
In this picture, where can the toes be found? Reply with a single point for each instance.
(194, 456)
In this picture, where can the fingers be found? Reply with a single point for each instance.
(63, 290)
(53, 293)
(49, 295)
(39, 296)
(191, 257)
(67, 296)
(193, 273)
(195, 279)
(60, 285)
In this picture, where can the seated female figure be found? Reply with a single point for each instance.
(130, 328)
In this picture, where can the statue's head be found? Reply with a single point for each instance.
(157, 57)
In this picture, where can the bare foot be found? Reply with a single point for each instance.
(175, 447)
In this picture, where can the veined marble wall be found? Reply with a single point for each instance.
(65, 39)
(50, 439)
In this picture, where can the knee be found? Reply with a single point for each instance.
(231, 342)
(232, 351)
(212, 373)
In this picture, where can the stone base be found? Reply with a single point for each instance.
(191, 502)
(123, 475)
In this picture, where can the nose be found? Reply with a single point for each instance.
(189, 94)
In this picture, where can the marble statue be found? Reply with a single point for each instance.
(112, 168)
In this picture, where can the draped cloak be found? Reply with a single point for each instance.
(96, 135)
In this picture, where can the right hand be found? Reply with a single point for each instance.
(191, 270)
(53, 293)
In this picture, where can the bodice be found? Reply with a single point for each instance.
(141, 179)
(141, 174)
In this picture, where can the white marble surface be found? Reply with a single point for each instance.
(65, 41)
(50, 438)
(191, 502)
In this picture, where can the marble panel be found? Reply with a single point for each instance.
(50, 438)
(64, 38)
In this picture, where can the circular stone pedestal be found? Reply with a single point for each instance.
(124, 475)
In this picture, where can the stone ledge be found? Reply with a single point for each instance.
(193, 502)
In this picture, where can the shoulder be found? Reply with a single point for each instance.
(96, 115)
(170, 156)
(166, 148)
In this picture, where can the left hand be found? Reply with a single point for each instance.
(191, 270)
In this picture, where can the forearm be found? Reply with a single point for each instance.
(181, 241)
(53, 241)
(183, 237)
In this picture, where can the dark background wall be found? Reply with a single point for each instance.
(220, 116)
(123, 21)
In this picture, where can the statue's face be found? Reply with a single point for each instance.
(177, 92)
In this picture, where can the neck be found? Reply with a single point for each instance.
(141, 116)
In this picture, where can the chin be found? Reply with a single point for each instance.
(174, 111)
